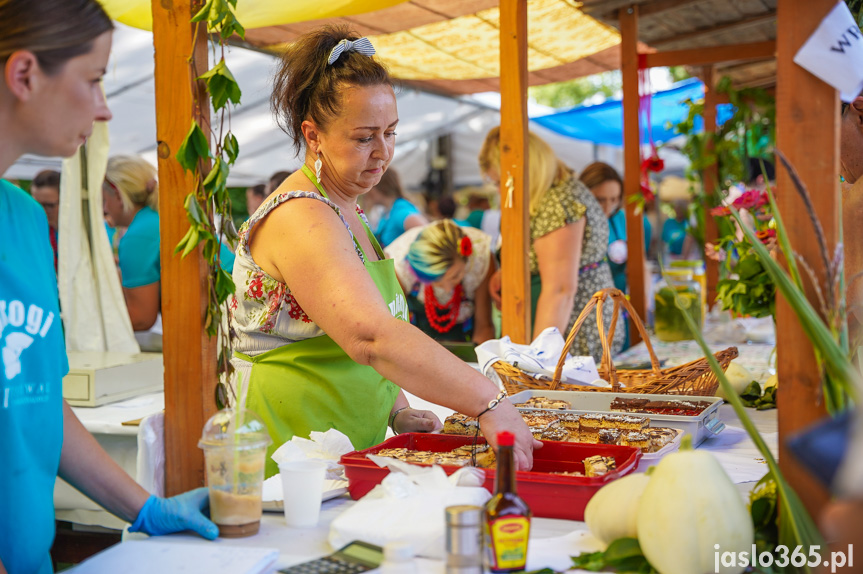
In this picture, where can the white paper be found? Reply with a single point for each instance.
(539, 358)
(328, 447)
(149, 556)
(834, 52)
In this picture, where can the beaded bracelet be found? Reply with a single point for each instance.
(493, 404)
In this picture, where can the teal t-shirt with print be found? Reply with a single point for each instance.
(139, 250)
(33, 358)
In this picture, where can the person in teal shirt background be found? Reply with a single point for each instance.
(130, 197)
(54, 52)
(400, 214)
(674, 230)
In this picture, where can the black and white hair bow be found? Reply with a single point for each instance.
(363, 46)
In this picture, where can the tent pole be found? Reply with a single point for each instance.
(635, 268)
(515, 227)
(189, 354)
(807, 132)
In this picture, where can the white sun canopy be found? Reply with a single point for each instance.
(264, 148)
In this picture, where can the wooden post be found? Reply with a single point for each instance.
(515, 201)
(189, 354)
(709, 181)
(635, 272)
(807, 118)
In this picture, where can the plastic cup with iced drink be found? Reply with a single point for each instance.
(235, 449)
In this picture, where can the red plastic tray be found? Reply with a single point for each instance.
(548, 495)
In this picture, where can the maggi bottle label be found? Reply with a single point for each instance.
(508, 543)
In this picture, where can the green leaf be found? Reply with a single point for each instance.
(221, 85)
(217, 179)
(194, 148)
(231, 147)
(194, 213)
(192, 242)
(224, 285)
(203, 12)
(183, 242)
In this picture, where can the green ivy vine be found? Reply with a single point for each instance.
(210, 201)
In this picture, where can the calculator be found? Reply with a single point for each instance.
(353, 558)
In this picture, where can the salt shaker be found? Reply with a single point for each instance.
(464, 540)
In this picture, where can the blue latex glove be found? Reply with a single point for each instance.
(182, 512)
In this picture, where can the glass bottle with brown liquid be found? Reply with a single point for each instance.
(507, 517)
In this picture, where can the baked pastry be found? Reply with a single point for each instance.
(460, 424)
(659, 437)
(556, 433)
(675, 408)
(636, 439)
(591, 422)
(633, 423)
(544, 403)
(610, 436)
(569, 421)
(539, 423)
(598, 465)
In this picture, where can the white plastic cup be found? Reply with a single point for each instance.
(303, 488)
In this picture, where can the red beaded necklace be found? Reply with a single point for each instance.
(442, 323)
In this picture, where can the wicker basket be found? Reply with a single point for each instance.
(694, 378)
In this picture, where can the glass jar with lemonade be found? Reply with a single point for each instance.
(669, 323)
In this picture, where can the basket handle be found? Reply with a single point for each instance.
(607, 364)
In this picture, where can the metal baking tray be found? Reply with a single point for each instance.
(699, 427)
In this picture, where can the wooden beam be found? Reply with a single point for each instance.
(702, 33)
(661, 6)
(711, 55)
(635, 268)
(515, 200)
(610, 10)
(189, 354)
(807, 132)
(710, 180)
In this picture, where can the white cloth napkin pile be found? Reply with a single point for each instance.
(403, 506)
(327, 447)
(540, 359)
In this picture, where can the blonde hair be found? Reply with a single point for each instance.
(545, 168)
(134, 178)
(435, 250)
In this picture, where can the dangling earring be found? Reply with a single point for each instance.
(318, 165)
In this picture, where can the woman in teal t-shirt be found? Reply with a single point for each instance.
(130, 197)
(54, 53)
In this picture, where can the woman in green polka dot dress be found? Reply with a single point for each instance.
(568, 244)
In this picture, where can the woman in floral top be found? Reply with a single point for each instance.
(568, 241)
(320, 323)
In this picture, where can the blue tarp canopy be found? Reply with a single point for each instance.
(603, 123)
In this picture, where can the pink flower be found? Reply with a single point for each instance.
(720, 211)
(751, 199)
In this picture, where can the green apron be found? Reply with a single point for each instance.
(313, 385)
